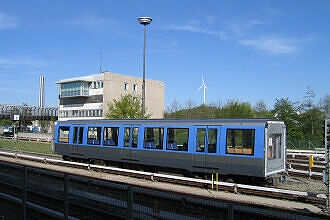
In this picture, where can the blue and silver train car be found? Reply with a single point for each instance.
(244, 147)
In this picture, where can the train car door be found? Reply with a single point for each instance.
(276, 148)
(130, 151)
(77, 138)
(206, 150)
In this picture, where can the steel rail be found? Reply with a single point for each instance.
(232, 187)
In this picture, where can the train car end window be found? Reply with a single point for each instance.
(110, 136)
(153, 138)
(177, 139)
(240, 141)
(63, 134)
(274, 146)
(94, 135)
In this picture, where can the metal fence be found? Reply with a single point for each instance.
(305, 145)
(30, 193)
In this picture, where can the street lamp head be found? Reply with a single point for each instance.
(144, 20)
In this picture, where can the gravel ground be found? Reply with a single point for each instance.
(247, 200)
(303, 184)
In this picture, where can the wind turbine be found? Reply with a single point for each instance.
(204, 87)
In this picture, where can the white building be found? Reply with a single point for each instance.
(86, 97)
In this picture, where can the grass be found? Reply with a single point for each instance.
(37, 147)
(45, 148)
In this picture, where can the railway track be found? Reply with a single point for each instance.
(232, 187)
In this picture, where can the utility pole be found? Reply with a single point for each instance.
(326, 173)
(144, 21)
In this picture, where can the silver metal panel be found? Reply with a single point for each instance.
(277, 164)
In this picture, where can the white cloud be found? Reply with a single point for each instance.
(19, 61)
(271, 45)
(7, 21)
(92, 22)
(197, 29)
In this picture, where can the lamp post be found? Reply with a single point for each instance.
(144, 21)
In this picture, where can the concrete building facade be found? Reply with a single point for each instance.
(86, 97)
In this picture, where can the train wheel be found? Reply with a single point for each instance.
(186, 173)
(100, 162)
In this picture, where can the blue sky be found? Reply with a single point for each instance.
(246, 50)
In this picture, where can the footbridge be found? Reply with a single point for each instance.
(27, 112)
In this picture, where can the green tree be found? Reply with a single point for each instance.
(324, 105)
(261, 111)
(5, 122)
(311, 123)
(287, 111)
(235, 109)
(174, 110)
(128, 107)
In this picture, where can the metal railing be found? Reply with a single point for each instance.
(305, 145)
(39, 193)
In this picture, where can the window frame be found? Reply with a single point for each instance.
(104, 136)
(253, 141)
(59, 133)
(100, 136)
(162, 129)
(187, 140)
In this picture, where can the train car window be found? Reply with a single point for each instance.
(94, 135)
(81, 135)
(63, 134)
(212, 141)
(75, 132)
(201, 135)
(274, 146)
(110, 136)
(126, 137)
(240, 141)
(153, 138)
(177, 139)
(135, 137)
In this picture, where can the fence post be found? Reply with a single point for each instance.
(24, 192)
(66, 196)
(129, 202)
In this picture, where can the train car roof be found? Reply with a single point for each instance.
(176, 121)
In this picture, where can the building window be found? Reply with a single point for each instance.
(240, 141)
(135, 87)
(74, 89)
(126, 86)
(101, 84)
(153, 138)
(177, 139)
